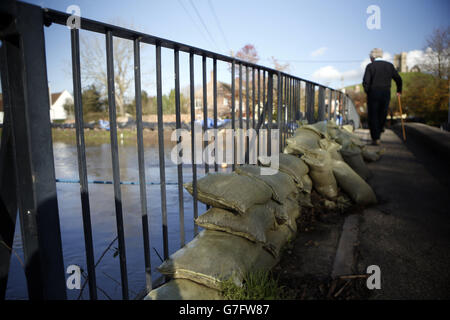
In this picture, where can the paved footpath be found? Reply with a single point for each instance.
(408, 233)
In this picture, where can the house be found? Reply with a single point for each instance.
(223, 98)
(57, 102)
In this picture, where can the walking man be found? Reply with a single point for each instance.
(377, 85)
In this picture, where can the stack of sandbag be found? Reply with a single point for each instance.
(298, 171)
(251, 218)
(326, 148)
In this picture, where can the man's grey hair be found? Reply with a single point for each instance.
(376, 53)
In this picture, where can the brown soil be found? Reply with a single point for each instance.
(316, 287)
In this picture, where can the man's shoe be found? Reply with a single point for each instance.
(377, 142)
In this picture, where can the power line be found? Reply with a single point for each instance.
(218, 24)
(195, 23)
(203, 23)
(318, 61)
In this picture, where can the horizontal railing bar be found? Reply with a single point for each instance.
(59, 17)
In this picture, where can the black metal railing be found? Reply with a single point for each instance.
(27, 173)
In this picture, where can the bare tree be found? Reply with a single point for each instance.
(437, 53)
(93, 63)
(246, 53)
(279, 66)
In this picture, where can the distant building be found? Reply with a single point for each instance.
(57, 102)
(400, 62)
(223, 98)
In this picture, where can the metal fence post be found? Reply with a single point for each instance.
(8, 196)
(24, 53)
(321, 111)
(279, 107)
(270, 111)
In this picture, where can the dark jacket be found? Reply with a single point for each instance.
(379, 75)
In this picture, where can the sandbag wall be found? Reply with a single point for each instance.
(253, 215)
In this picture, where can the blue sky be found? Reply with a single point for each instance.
(325, 41)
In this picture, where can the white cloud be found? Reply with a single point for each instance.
(329, 74)
(326, 74)
(414, 57)
(318, 52)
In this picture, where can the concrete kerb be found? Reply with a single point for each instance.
(344, 260)
(434, 138)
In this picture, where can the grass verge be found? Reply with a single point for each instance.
(257, 285)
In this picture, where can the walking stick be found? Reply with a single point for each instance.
(401, 117)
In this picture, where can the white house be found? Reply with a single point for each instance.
(57, 102)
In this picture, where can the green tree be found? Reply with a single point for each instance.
(92, 100)
(168, 102)
(424, 96)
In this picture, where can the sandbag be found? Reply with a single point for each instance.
(230, 191)
(344, 137)
(277, 239)
(286, 214)
(348, 128)
(358, 189)
(319, 162)
(304, 199)
(214, 256)
(304, 140)
(319, 128)
(253, 225)
(370, 156)
(289, 150)
(332, 148)
(282, 184)
(307, 184)
(353, 157)
(333, 132)
(293, 166)
(183, 289)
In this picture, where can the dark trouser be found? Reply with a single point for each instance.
(377, 108)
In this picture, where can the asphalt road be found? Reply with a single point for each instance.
(408, 233)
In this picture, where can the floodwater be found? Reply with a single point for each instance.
(103, 217)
